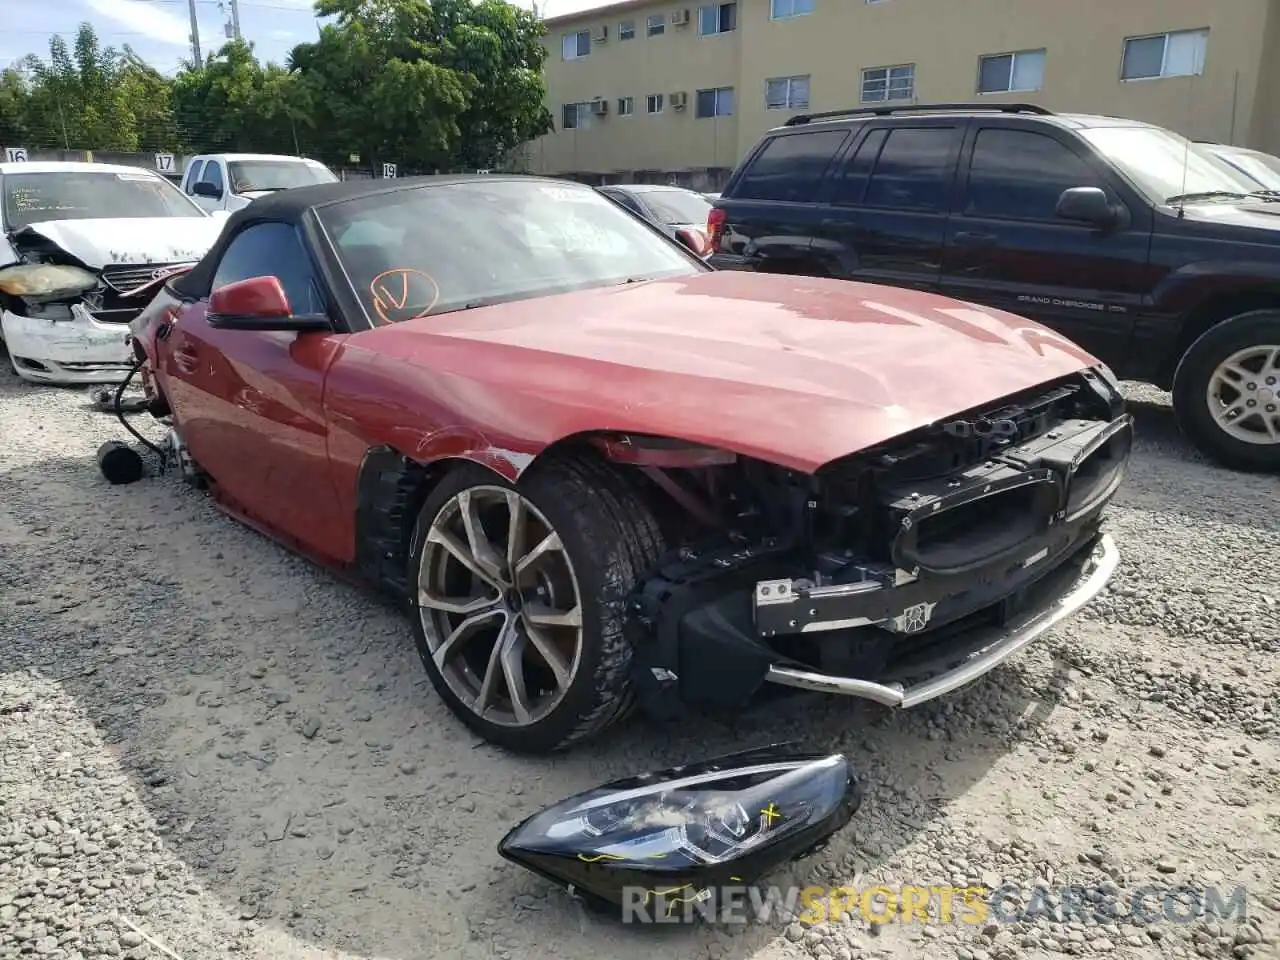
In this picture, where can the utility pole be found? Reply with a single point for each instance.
(195, 34)
(235, 19)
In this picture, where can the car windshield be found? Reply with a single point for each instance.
(677, 206)
(432, 249)
(1260, 166)
(1166, 166)
(90, 195)
(250, 175)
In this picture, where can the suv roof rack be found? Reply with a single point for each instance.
(804, 118)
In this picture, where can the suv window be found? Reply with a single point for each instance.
(913, 171)
(213, 174)
(790, 166)
(1019, 174)
(852, 182)
(272, 250)
(194, 176)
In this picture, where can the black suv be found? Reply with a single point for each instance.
(1145, 249)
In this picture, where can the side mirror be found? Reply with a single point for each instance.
(1087, 205)
(258, 303)
(695, 240)
(204, 188)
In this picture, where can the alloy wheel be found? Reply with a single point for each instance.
(500, 606)
(1244, 395)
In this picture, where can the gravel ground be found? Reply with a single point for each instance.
(207, 745)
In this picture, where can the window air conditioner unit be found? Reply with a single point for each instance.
(600, 34)
(679, 100)
(680, 18)
(600, 108)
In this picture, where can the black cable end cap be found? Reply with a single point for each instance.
(119, 462)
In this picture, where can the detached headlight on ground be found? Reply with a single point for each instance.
(726, 821)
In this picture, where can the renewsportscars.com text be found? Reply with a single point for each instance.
(1144, 906)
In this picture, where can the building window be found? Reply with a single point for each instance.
(627, 30)
(787, 93)
(715, 103)
(782, 9)
(575, 45)
(889, 83)
(1178, 54)
(717, 18)
(626, 106)
(574, 116)
(1019, 72)
(653, 103)
(656, 25)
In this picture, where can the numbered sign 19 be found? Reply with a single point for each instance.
(164, 162)
(15, 154)
(388, 171)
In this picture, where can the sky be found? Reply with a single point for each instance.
(158, 30)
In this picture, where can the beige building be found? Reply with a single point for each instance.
(655, 90)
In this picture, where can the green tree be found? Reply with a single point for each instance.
(13, 109)
(149, 95)
(498, 44)
(429, 84)
(76, 99)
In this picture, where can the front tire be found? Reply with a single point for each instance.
(519, 598)
(1226, 392)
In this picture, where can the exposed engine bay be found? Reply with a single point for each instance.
(830, 581)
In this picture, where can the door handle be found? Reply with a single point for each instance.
(969, 238)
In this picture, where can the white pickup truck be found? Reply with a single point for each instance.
(229, 181)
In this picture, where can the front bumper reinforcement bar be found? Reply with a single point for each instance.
(993, 648)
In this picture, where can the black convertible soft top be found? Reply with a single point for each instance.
(291, 206)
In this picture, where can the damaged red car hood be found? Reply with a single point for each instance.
(793, 370)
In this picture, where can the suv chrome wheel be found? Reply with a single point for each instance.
(500, 605)
(1244, 394)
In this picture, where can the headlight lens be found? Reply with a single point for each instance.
(730, 819)
(45, 280)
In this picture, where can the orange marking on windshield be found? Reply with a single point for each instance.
(384, 288)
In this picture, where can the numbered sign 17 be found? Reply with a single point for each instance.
(15, 154)
(388, 171)
(164, 162)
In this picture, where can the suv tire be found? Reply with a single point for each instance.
(1238, 344)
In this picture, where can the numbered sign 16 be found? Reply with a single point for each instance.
(15, 154)
(164, 162)
(388, 171)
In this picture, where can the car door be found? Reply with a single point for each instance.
(1008, 248)
(215, 176)
(249, 403)
(773, 208)
(889, 199)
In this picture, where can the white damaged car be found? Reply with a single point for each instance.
(83, 247)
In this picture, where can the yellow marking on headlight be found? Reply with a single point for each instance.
(771, 813)
(613, 856)
(671, 905)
